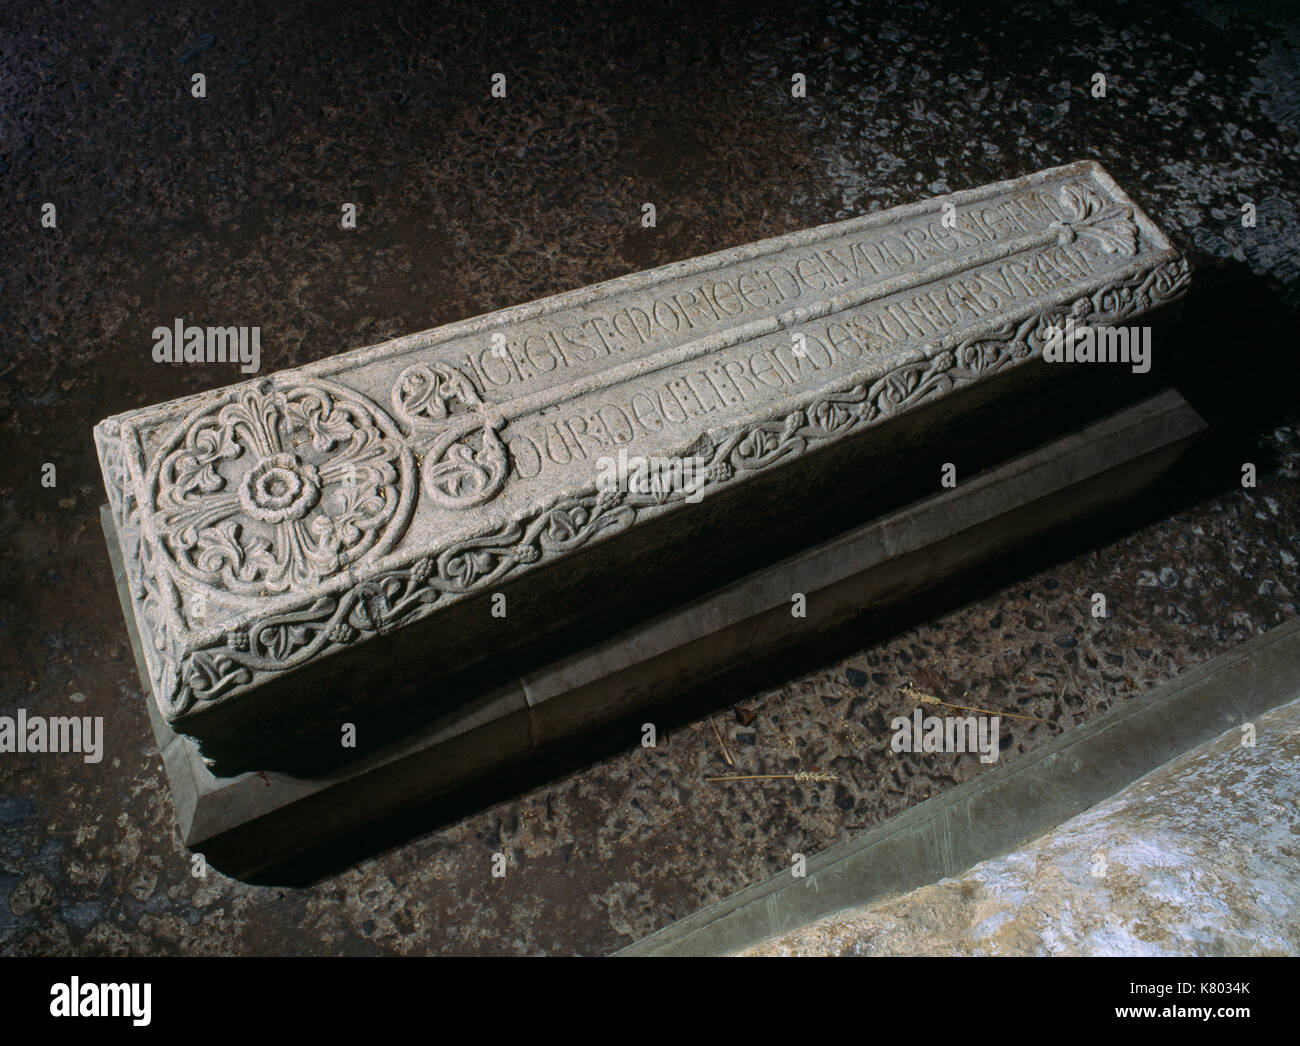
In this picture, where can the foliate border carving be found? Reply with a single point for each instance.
(244, 656)
(152, 595)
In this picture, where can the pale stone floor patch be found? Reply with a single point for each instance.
(1196, 858)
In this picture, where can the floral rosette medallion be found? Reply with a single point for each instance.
(280, 486)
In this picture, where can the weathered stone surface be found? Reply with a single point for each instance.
(382, 495)
(1197, 858)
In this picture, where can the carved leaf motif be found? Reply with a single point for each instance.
(828, 416)
(755, 445)
(1085, 212)
(565, 524)
(896, 388)
(196, 470)
(1114, 236)
(467, 567)
(206, 672)
(424, 394)
(281, 641)
(350, 511)
(980, 357)
(1168, 280)
(327, 425)
(419, 395)
(456, 473)
(460, 474)
(1079, 203)
(219, 547)
(261, 559)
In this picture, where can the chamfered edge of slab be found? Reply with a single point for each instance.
(1005, 806)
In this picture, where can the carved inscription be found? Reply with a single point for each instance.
(547, 351)
(1040, 240)
(687, 395)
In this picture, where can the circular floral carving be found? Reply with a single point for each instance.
(280, 485)
(280, 488)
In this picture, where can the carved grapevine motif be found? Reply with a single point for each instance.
(762, 445)
(1113, 303)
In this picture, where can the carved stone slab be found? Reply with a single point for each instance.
(271, 526)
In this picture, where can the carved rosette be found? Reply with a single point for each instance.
(278, 487)
(440, 406)
(464, 462)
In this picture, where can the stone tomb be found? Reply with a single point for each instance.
(252, 823)
(377, 530)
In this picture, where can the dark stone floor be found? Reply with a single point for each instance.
(225, 210)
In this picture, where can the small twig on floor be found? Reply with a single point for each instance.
(911, 691)
(721, 743)
(802, 775)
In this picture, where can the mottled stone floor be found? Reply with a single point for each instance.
(226, 210)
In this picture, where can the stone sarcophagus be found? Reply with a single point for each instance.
(353, 537)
